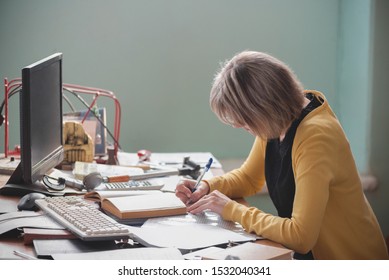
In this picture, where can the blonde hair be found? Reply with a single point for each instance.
(257, 90)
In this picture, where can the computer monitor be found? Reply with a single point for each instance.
(40, 126)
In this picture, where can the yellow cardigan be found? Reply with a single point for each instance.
(331, 215)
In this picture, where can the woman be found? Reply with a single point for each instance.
(303, 156)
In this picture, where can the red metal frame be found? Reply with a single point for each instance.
(8, 86)
(97, 92)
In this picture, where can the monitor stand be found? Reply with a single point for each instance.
(16, 186)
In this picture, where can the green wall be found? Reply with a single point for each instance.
(379, 127)
(354, 78)
(159, 57)
(362, 92)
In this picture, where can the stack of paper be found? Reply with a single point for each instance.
(81, 169)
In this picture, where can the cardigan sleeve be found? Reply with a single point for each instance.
(246, 180)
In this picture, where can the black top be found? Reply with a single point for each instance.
(279, 172)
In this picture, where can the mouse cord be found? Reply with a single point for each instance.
(60, 182)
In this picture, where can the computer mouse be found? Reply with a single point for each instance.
(27, 202)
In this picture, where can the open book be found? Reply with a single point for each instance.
(143, 206)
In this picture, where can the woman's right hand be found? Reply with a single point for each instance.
(185, 191)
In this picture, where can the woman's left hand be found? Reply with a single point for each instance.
(215, 201)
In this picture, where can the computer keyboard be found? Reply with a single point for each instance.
(82, 218)
(135, 185)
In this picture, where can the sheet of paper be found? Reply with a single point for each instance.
(18, 214)
(206, 218)
(49, 247)
(7, 206)
(186, 237)
(197, 255)
(81, 169)
(200, 158)
(170, 159)
(171, 182)
(125, 254)
(39, 221)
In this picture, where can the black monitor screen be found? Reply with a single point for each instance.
(40, 124)
(41, 107)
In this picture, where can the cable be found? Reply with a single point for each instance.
(17, 89)
(58, 186)
(69, 103)
(14, 91)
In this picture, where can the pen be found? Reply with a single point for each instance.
(206, 168)
(24, 255)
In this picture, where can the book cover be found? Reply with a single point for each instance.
(144, 206)
(30, 234)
